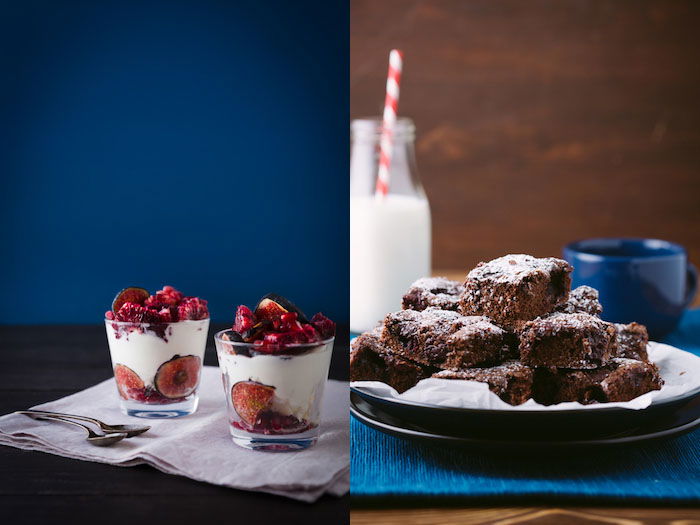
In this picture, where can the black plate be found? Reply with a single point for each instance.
(374, 417)
(535, 425)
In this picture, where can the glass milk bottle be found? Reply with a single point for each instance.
(389, 236)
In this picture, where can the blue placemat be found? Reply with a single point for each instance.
(384, 466)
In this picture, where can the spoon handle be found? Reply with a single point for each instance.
(50, 417)
(59, 414)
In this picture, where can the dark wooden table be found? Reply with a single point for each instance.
(43, 363)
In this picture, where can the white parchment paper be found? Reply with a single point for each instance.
(680, 371)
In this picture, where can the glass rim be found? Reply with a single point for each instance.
(132, 323)
(243, 344)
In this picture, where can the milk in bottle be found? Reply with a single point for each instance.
(390, 239)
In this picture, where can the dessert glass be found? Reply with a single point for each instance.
(157, 366)
(273, 399)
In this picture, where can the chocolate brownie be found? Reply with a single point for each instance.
(516, 288)
(583, 299)
(444, 339)
(511, 381)
(619, 380)
(439, 292)
(567, 341)
(632, 341)
(370, 360)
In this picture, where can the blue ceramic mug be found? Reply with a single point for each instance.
(645, 280)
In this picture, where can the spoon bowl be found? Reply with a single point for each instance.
(129, 430)
(106, 439)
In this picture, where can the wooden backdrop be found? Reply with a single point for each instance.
(540, 122)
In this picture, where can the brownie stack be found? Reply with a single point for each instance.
(515, 325)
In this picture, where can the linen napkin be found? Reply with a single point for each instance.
(197, 446)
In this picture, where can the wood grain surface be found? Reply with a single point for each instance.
(544, 121)
(526, 515)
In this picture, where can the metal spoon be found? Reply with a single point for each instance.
(99, 440)
(130, 430)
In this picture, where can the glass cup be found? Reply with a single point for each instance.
(273, 399)
(157, 367)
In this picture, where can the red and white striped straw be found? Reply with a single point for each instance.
(391, 106)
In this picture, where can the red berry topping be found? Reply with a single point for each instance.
(130, 313)
(192, 309)
(151, 316)
(167, 296)
(166, 314)
(277, 323)
(245, 319)
(325, 326)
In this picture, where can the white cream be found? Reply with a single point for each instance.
(145, 352)
(298, 380)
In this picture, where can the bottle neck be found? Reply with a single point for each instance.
(364, 159)
(370, 130)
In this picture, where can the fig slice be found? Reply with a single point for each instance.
(250, 399)
(273, 305)
(133, 294)
(127, 380)
(178, 377)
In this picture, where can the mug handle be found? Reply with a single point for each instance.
(691, 284)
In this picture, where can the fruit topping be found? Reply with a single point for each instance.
(250, 399)
(168, 296)
(325, 326)
(128, 381)
(192, 309)
(178, 377)
(256, 331)
(166, 314)
(132, 294)
(269, 309)
(151, 316)
(166, 306)
(245, 320)
(277, 324)
(232, 336)
(130, 313)
(277, 304)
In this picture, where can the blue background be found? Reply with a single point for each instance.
(198, 144)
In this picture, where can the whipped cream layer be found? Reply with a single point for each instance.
(145, 352)
(298, 379)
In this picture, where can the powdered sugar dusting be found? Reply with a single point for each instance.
(562, 321)
(583, 299)
(503, 370)
(441, 322)
(433, 291)
(513, 268)
(437, 286)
